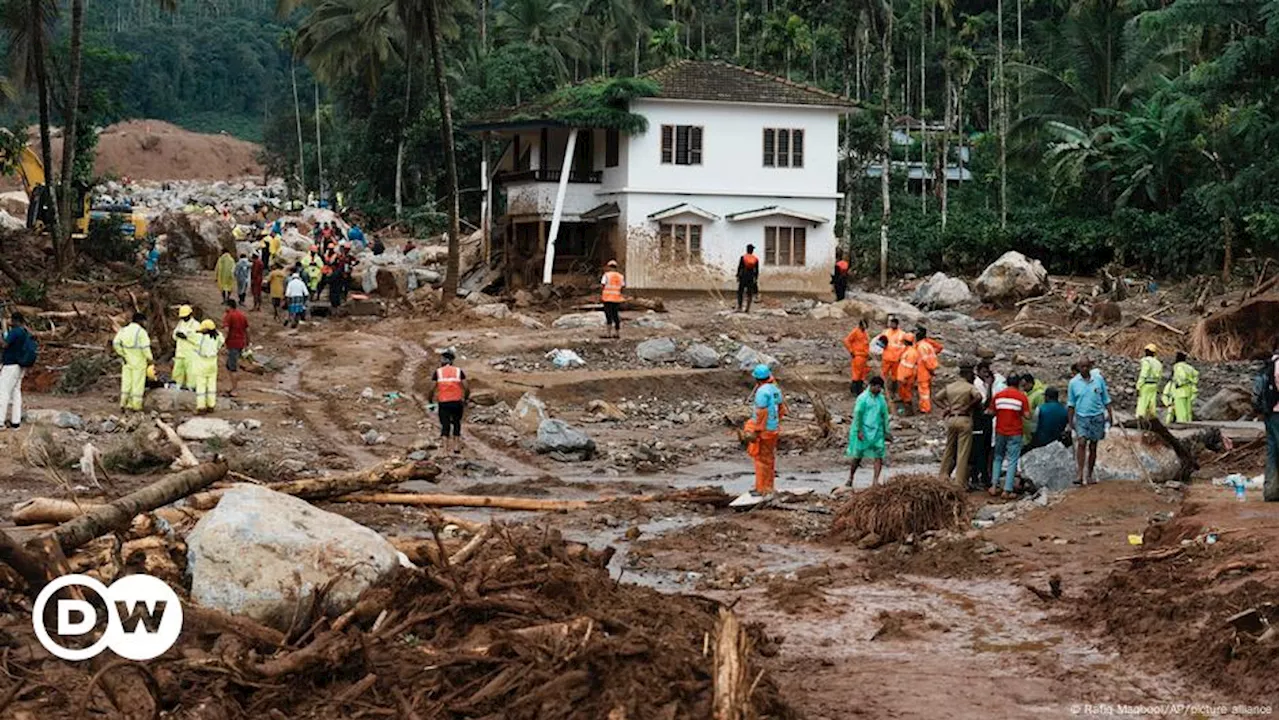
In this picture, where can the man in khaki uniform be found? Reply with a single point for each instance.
(958, 401)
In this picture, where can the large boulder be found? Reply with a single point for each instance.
(878, 308)
(192, 242)
(652, 322)
(701, 356)
(1229, 403)
(175, 400)
(748, 357)
(497, 311)
(1011, 278)
(529, 413)
(262, 554)
(1129, 456)
(57, 418)
(557, 436)
(579, 320)
(941, 291)
(657, 350)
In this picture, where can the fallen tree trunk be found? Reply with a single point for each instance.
(436, 500)
(379, 477)
(23, 562)
(119, 514)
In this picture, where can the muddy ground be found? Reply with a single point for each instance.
(943, 627)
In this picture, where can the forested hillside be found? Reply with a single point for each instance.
(1098, 130)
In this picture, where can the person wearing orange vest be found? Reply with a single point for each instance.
(891, 340)
(859, 347)
(907, 372)
(840, 277)
(748, 277)
(611, 285)
(450, 391)
(927, 350)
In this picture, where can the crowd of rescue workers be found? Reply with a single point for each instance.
(990, 419)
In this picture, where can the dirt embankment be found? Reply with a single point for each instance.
(157, 150)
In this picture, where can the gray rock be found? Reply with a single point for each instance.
(1012, 277)
(418, 455)
(878, 308)
(653, 322)
(657, 350)
(1125, 456)
(250, 424)
(606, 410)
(529, 413)
(530, 322)
(497, 311)
(941, 291)
(1229, 403)
(828, 311)
(747, 358)
(556, 436)
(578, 320)
(989, 512)
(260, 552)
(701, 356)
(204, 428)
(56, 418)
(371, 437)
(522, 298)
(175, 400)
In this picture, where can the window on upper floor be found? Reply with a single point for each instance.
(783, 245)
(680, 244)
(681, 144)
(611, 148)
(783, 147)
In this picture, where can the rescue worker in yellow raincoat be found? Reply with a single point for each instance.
(1150, 373)
(204, 366)
(184, 346)
(133, 345)
(225, 273)
(315, 268)
(1180, 392)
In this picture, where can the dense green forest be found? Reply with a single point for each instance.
(1137, 132)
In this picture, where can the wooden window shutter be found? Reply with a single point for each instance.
(682, 144)
(668, 144)
(770, 246)
(768, 147)
(784, 148)
(797, 148)
(695, 145)
(695, 243)
(664, 242)
(797, 246)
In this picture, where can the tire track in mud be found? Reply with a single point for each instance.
(329, 433)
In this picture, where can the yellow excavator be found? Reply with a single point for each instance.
(40, 205)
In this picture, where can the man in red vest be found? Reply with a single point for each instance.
(748, 277)
(611, 284)
(840, 277)
(449, 391)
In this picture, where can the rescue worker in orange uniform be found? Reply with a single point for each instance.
(748, 277)
(611, 284)
(449, 391)
(891, 340)
(859, 347)
(927, 350)
(840, 277)
(761, 431)
(907, 372)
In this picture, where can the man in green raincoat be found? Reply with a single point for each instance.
(869, 430)
(1181, 390)
(225, 273)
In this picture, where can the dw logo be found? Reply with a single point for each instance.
(144, 617)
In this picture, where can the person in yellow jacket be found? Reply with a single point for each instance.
(133, 345)
(204, 366)
(184, 346)
(315, 268)
(1180, 392)
(225, 273)
(1150, 373)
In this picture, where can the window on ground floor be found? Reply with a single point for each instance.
(783, 245)
(679, 243)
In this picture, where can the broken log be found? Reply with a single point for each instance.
(40, 510)
(493, 501)
(118, 514)
(1162, 324)
(387, 474)
(1152, 556)
(218, 621)
(186, 459)
(23, 562)
(729, 701)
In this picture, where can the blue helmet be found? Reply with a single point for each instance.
(761, 372)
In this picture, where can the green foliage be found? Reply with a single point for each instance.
(31, 293)
(595, 104)
(82, 372)
(106, 242)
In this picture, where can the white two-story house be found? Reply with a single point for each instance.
(730, 157)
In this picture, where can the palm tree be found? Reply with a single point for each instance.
(289, 41)
(540, 23)
(29, 29)
(886, 80)
(436, 41)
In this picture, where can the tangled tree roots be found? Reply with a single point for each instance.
(1238, 333)
(903, 506)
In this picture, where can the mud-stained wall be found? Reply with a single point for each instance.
(527, 198)
(724, 241)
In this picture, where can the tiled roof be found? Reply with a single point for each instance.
(720, 81)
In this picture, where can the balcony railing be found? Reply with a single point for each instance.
(548, 175)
